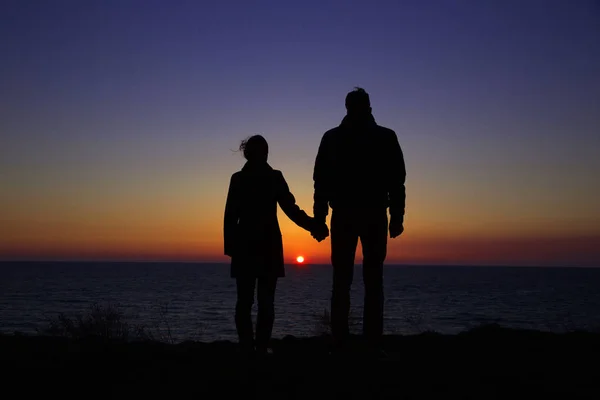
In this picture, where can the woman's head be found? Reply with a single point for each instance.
(255, 148)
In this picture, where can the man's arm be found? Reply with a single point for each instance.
(321, 180)
(396, 182)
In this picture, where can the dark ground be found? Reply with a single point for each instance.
(484, 363)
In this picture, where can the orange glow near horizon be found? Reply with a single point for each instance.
(193, 245)
(184, 223)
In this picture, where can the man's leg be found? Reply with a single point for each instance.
(344, 239)
(373, 237)
(243, 312)
(266, 312)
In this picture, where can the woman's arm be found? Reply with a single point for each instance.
(287, 202)
(230, 221)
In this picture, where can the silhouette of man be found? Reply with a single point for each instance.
(360, 173)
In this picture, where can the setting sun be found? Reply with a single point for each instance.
(300, 259)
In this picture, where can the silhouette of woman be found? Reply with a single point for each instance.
(252, 239)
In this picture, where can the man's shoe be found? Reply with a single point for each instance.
(263, 353)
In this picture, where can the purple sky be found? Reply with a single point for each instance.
(122, 113)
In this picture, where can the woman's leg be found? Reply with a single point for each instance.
(243, 311)
(266, 312)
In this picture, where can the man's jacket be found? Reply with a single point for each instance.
(359, 165)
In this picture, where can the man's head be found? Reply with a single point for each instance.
(357, 102)
(255, 148)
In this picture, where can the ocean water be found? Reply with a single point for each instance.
(196, 301)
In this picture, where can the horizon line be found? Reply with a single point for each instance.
(401, 264)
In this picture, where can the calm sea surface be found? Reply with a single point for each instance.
(196, 301)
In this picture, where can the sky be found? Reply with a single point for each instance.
(119, 121)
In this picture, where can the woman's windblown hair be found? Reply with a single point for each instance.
(255, 148)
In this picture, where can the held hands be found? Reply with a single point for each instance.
(319, 230)
(396, 227)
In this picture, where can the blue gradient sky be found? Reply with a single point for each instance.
(118, 117)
